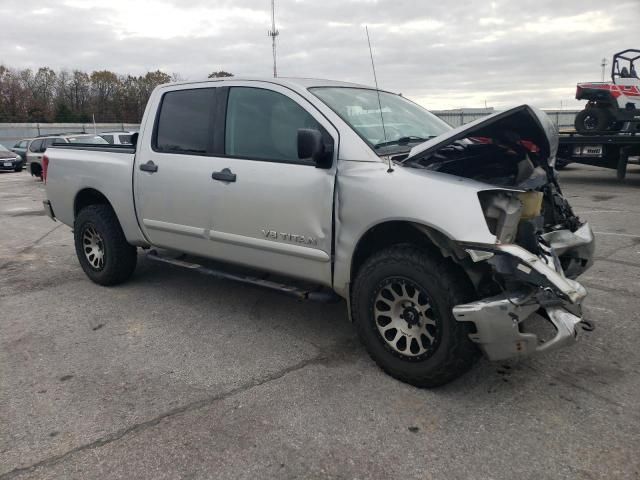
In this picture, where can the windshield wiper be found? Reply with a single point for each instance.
(403, 141)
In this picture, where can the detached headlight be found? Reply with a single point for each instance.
(502, 211)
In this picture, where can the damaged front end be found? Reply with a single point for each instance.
(527, 277)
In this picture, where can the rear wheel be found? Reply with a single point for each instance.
(402, 305)
(36, 170)
(101, 247)
(592, 120)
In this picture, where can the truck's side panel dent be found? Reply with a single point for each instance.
(405, 195)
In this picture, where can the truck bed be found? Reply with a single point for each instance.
(93, 169)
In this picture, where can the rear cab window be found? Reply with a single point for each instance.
(184, 123)
(90, 139)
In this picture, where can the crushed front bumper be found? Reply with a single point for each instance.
(549, 296)
(498, 325)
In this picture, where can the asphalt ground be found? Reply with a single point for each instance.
(176, 375)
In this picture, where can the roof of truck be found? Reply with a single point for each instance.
(285, 81)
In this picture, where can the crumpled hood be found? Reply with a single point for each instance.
(528, 122)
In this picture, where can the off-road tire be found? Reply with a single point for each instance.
(600, 118)
(119, 256)
(445, 286)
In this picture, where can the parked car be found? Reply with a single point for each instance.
(118, 138)
(21, 148)
(443, 242)
(10, 160)
(39, 145)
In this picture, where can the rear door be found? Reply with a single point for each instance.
(271, 209)
(173, 188)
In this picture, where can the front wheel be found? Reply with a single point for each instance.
(101, 247)
(402, 305)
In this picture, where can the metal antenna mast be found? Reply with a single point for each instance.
(375, 79)
(273, 33)
(603, 65)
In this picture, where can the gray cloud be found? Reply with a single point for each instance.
(442, 54)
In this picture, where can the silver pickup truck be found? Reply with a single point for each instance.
(445, 243)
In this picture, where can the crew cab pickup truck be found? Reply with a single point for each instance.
(445, 243)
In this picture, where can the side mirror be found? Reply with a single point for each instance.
(311, 145)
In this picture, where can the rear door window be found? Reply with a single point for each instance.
(36, 145)
(185, 122)
(262, 124)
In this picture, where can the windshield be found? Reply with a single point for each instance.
(88, 139)
(404, 121)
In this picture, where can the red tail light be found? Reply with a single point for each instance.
(45, 167)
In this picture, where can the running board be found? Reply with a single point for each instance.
(319, 294)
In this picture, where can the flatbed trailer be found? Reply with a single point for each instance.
(601, 149)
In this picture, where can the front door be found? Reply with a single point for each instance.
(272, 210)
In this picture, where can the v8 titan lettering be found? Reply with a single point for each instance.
(289, 237)
(387, 218)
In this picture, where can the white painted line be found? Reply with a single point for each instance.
(618, 234)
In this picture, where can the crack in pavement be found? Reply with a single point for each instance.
(617, 291)
(26, 249)
(618, 262)
(563, 379)
(322, 358)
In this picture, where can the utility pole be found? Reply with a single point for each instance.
(273, 33)
(603, 65)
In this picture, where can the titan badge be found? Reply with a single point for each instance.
(289, 237)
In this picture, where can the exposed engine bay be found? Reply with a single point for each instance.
(515, 151)
(541, 245)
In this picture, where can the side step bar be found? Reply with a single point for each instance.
(319, 294)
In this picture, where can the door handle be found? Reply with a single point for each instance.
(224, 176)
(149, 167)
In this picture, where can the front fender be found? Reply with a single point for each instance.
(367, 195)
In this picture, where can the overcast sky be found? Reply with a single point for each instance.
(443, 54)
